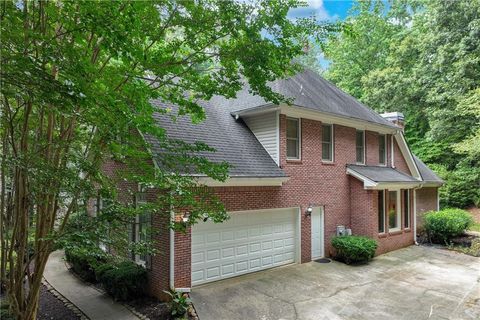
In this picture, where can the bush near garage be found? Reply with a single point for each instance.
(354, 249)
(443, 225)
(123, 281)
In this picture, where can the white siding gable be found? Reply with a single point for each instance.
(265, 127)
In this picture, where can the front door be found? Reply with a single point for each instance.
(317, 233)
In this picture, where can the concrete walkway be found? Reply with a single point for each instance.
(93, 303)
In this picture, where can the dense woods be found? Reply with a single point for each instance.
(421, 58)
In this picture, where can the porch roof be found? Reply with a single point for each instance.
(379, 177)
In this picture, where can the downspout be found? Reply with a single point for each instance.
(172, 253)
(438, 199)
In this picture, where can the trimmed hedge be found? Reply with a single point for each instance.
(124, 281)
(82, 264)
(354, 249)
(443, 225)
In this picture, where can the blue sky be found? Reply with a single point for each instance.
(323, 9)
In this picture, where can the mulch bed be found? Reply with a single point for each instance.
(50, 308)
(151, 308)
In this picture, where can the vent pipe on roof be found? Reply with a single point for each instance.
(396, 118)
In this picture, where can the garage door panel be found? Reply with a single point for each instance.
(250, 242)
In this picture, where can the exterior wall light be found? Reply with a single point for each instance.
(309, 210)
(186, 217)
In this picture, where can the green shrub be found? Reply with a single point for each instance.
(84, 263)
(354, 249)
(101, 269)
(179, 304)
(123, 281)
(443, 225)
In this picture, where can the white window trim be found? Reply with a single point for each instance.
(385, 158)
(384, 211)
(407, 192)
(299, 121)
(364, 146)
(332, 142)
(399, 211)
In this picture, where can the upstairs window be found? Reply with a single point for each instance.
(293, 139)
(327, 142)
(382, 149)
(360, 147)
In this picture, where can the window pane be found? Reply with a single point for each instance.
(359, 156)
(292, 148)
(327, 133)
(381, 212)
(359, 138)
(292, 128)
(406, 208)
(381, 149)
(326, 151)
(392, 210)
(327, 142)
(360, 146)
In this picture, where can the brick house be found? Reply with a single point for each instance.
(299, 175)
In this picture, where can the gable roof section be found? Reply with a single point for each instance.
(231, 139)
(428, 176)
(309, 90)
(378, 177)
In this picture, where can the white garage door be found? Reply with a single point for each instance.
(247, 242)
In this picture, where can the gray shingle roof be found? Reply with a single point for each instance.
(309, 90)
(381, 174)
(427, 174)
(231, 139)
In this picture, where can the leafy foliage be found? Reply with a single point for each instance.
(420, 58)
(354, 249)
(123, 281)
(179, 304)
(77, 78)
(443, 225)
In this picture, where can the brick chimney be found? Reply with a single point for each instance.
(396, 117)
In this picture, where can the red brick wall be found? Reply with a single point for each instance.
(399, 161)
(159, 271)
(363, 209)
(426, 201)
(311, 182)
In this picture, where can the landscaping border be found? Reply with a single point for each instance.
(68, 304)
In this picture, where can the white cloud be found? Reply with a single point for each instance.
(312, 8)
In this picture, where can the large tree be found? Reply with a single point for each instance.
(76, 81)
(420, 58)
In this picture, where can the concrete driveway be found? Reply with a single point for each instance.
(411, 283)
